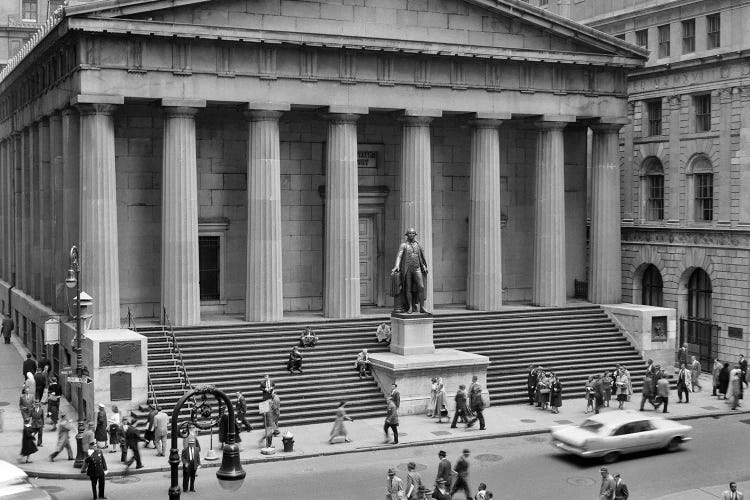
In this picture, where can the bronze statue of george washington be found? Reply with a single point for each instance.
(411, 272)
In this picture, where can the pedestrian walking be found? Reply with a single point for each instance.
(662, 393)
(132, 440)
(684, 384)
(462, 475)
(25, 404)
(396, 395)
(101, 427)
(53, 401)
(241, 411)
(476, 403)
(734, 392)
(695, 372)
(95, 466)
(440, 410)
(191, 462)
(732, 493)
(555, 393)
(715, 371)
(622, 384)
(28, 443)
(339, 429)
(30, 384)
(724, 380)
(29, 366)
(148, 434)
(40, 383)
(621, 489)
(88, 435)
(414, 486)
(161, 421)
(114, 428)
(391, 421)
(607, 488)
(647, 390)
(682, 355)
(531, 383)
(395, 488)
(441, 490)
(63, 438)
(433, 397)
(743, 368)
(445, 470)
(37, 422)
(462, 407)
(7, 330)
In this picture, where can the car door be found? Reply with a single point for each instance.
(642, 435)
(620, 440)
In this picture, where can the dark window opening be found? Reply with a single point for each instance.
(664, 48)
(654, 117)
(652, 287)
(209, 264)
(688, 36)
(704, 197)
(713, 24)
(699, 296)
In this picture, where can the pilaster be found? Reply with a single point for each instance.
(606, 267)
(4, 210)
(26, 234)
(549, 216)
(673, 172)
(18, 204)
(35, 263)
(71, 168)
(100, 271)
(724, 166)
(264, 297)
(627, 186)
(484, 280)
(59, 259)
(416, 188)
(45, 214)
(180, 276)
(342, 219)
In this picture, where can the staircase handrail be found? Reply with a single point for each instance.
(169, 332)
(152, 390)
(129, 323)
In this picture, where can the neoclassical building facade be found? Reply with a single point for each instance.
(254, 157)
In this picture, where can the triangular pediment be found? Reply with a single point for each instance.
(493, 24)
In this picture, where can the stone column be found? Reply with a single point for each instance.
(724, 167)
(672, 170)
(71, 212)
(416, 189)
(18, 207)
(180, 273)
(342, 219)
(45, 214)
(59, 260)
(26, 233)
(35, 214)
(100, 270)
(264, 299)
(627, 168)
(549, 216)
(484, 287)
(4, 275)
(605, 279)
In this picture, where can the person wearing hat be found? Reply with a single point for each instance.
(445, 470)
(462, 475)
(607, 489)
(441, 490)
(63, 438)
(132, 440)
(54, 391)
(621, 489)
(102, 427)
(88, 435)
(191, 462)
(391, 421)
(414, 486)
(395, 489)
(412, 269)
(28, 442)
(95, 466)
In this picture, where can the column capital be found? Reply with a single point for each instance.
(550, 125)
(348, 110)
(341, 118)
(180, 111)
(485, 123)
(604, 127)
(95, 108)
(415, 121)
(96, 103)
(267, 106)
(262, 115)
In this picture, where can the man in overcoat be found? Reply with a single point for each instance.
(95, 466)
(191, 462)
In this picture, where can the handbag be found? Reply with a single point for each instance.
(443, 411)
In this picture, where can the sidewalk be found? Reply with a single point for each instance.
(312, 440)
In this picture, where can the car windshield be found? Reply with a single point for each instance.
(592, 426)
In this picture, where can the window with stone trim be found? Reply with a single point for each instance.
(688, 36)
(653, 179)
(702, 104)
(652, 287)
(654, 112)
(543, 3)
(704, 196)
(713, 31)
(641, 38)
(664, 47)
(28, 10)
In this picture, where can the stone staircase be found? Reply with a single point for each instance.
(573, 341)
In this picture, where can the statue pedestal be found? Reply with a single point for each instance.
(414, 361)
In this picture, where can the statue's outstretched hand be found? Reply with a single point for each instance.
(394, 270)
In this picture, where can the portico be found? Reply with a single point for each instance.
(168, 128)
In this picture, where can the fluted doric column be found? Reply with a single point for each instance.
(45, 214)
(264, 299)
(484, 279)
(549, 216)
(71, 210)
(180, 272)
(59, 259)
(342, 219)
(416, 189)
(606, 269)
(100, 269)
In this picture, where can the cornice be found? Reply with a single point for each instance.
(700, 237)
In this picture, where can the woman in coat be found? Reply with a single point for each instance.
(100, 434)
(724, 381)
(542, 390)
(25, 403)
(695, 372)
(733, 392)
(339, 429)
(607, 388)
(439, 401)
(433, 396)
(28, 442)
(715, 370)
(555, 394)
(622, 384)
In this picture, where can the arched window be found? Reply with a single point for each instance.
(699, 296)
(652, 287)
(701, 171)
(653, 192)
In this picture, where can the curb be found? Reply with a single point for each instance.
(364, 449)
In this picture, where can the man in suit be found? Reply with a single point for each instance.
(29, 366)
(8, 327)
(132, 439)
(607, 488)
(37, 421)
(395, 395)
(462, 408)
(95, 466)
(53, 400)
(531, 379)
(476, 403)
(391, 421)
(40, 379)
(241, 412)
(732, 493)
(191, 462)
(621, 489)
(462, 475)
(161, 420)
(445, 470)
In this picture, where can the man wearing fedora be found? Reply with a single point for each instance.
(191, 462)
(607, 489)
(445, 469)
(395, 489)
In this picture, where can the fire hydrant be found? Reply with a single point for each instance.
(288, 440)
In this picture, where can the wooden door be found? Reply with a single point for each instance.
(367, 260)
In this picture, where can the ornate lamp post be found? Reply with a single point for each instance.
(73, 280)
(230, 474)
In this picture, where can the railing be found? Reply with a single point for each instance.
(129, 324)
(176, 352)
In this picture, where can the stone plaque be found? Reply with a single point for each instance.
(120, 386)
(734, 332)
(658, 328)
(119, 353)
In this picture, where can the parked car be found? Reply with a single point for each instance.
(609, 435)
(15, 485)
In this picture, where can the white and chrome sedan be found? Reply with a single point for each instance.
(609, 435)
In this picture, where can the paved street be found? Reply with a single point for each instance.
(514, 468)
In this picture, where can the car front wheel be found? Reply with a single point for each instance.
(610, 457)
(674, 444)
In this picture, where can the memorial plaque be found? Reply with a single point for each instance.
(119, 353)
(120, 386)
(658, 328)
(734, 332)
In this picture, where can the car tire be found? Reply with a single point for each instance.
(611, 457)
(674, 444)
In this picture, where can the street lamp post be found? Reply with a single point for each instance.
(73, 280)
(230, 474)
